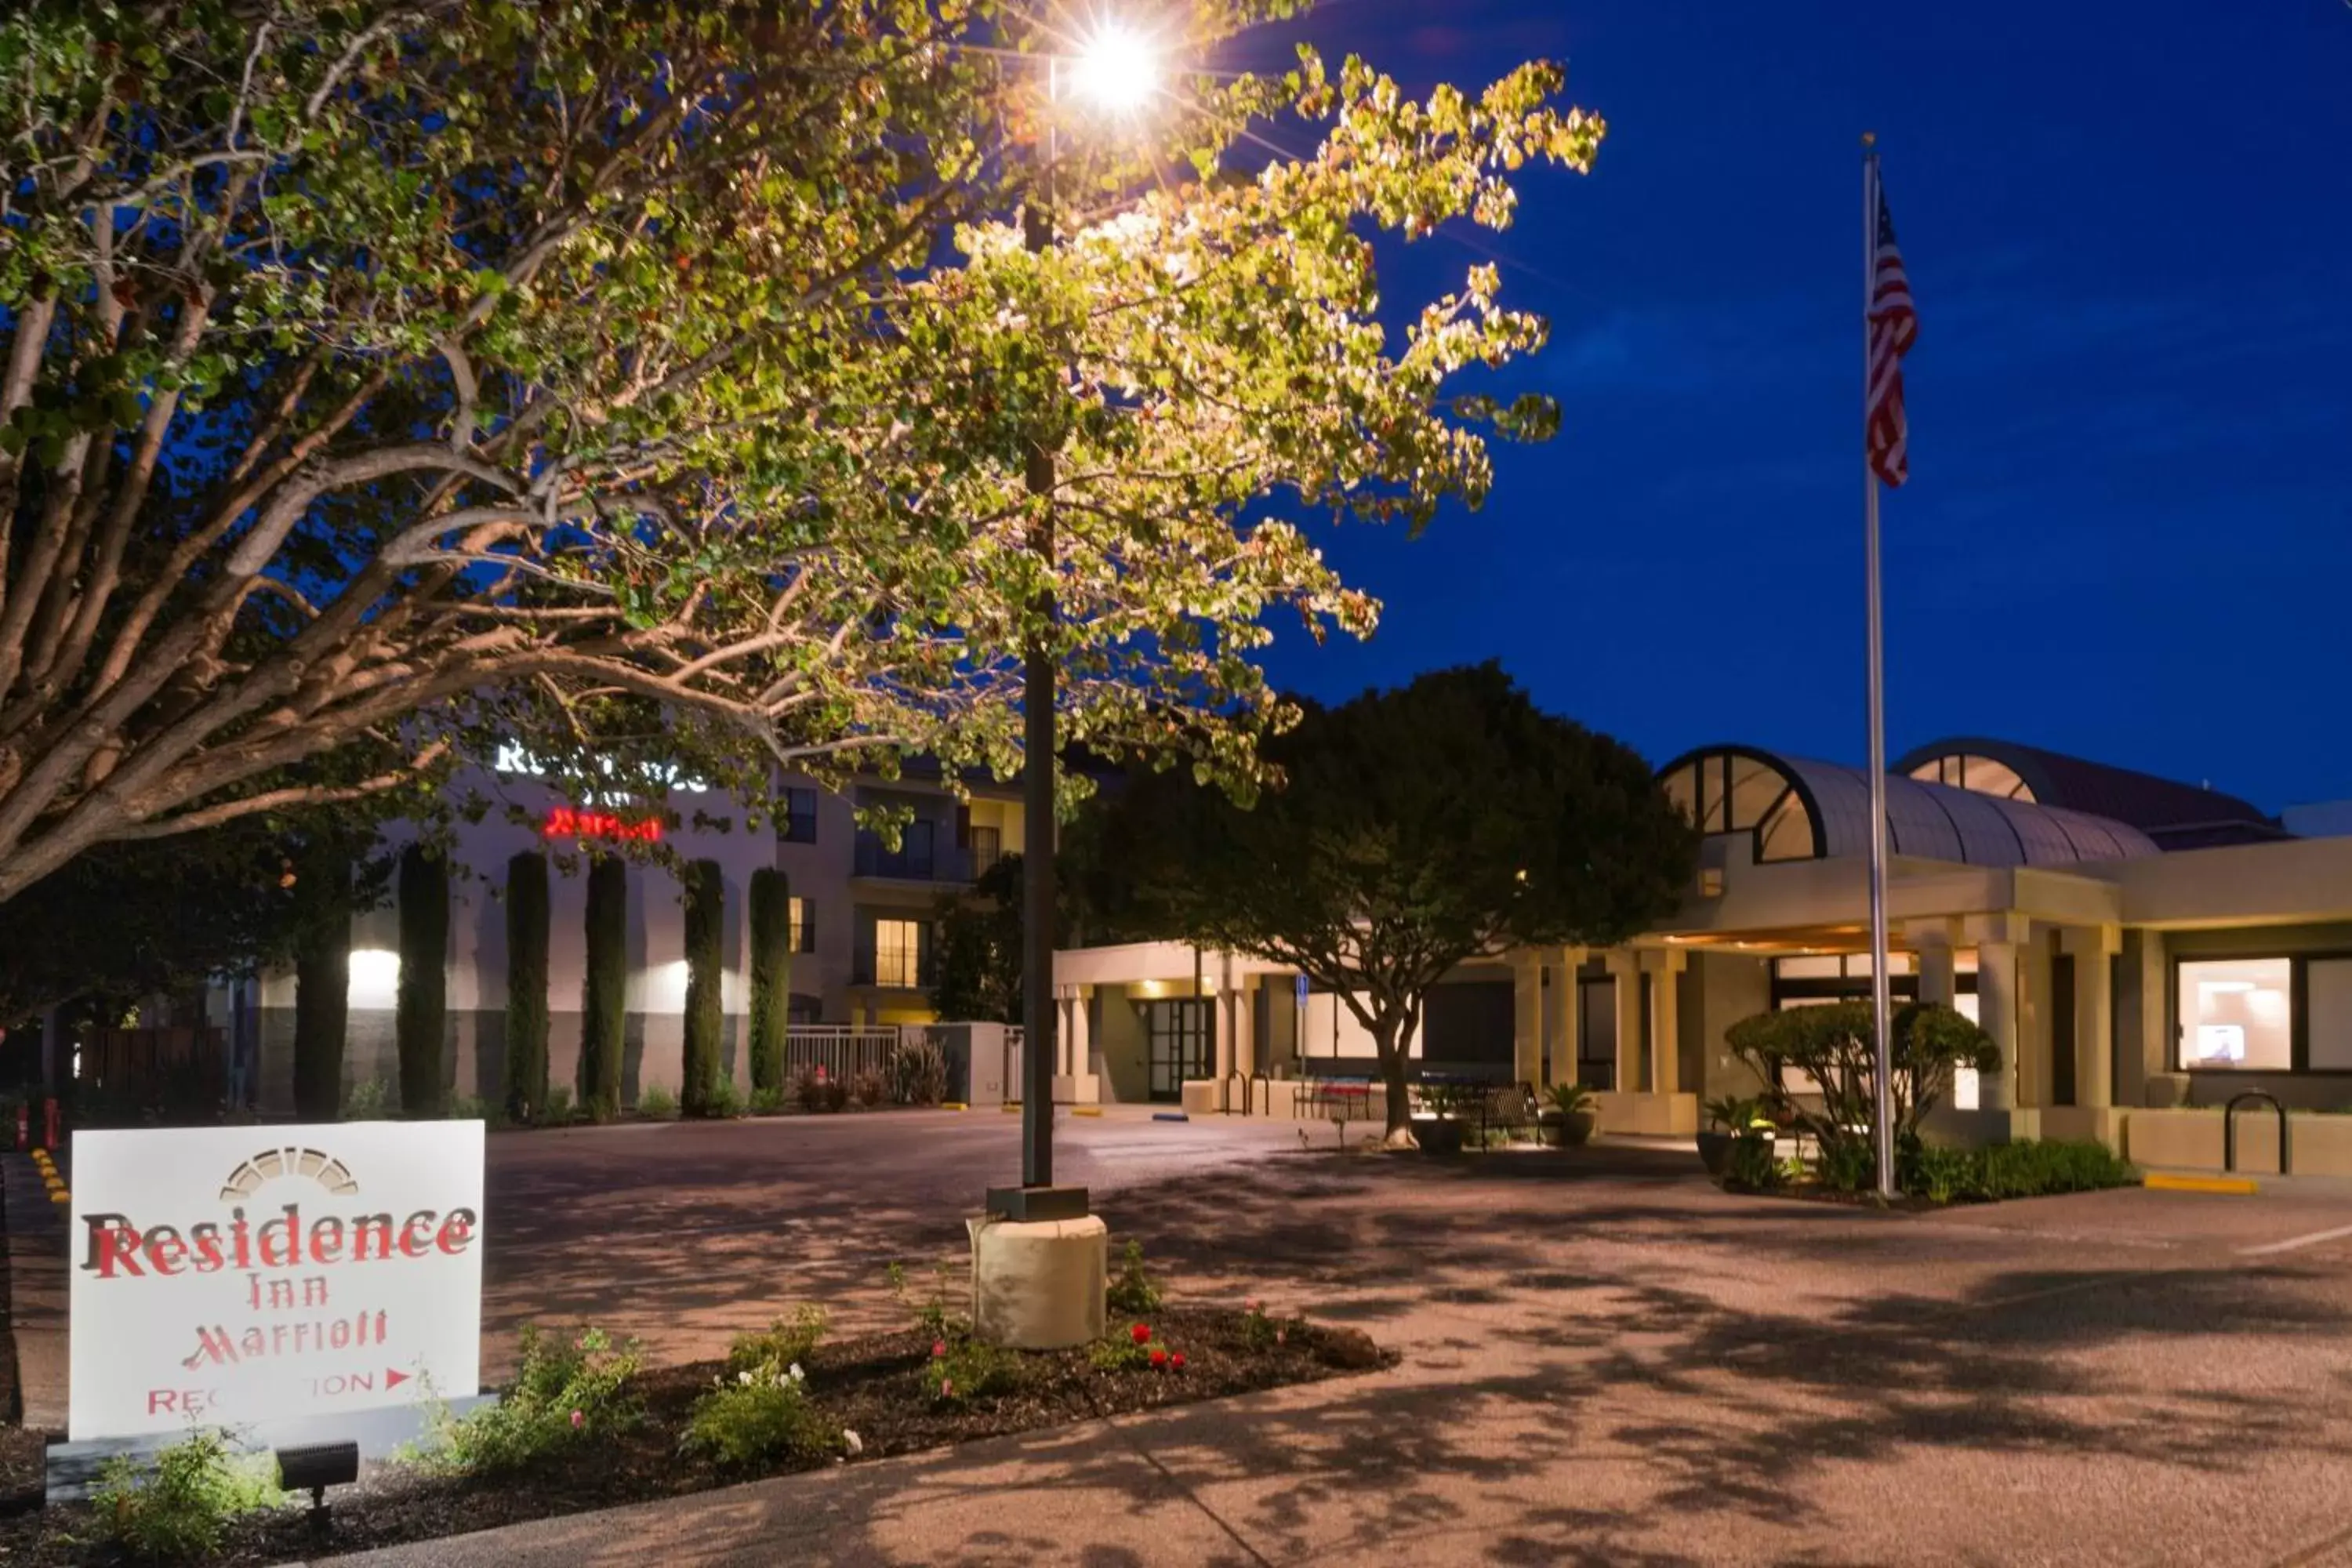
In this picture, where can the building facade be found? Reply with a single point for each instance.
(863, 913)
(2141, 951)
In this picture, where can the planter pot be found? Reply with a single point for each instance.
(1714, 1151)
(1576, 1129)
(1438, 1137)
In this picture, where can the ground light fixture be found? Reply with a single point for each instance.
(315, 1466)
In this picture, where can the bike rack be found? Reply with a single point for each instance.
(2229, 1128)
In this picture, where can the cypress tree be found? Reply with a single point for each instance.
(322, 997)
(421, 1015)
(706, 930)
(771, 975)
(526, 1069)
(604, 990)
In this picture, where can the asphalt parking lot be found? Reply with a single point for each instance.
(1606, 1360)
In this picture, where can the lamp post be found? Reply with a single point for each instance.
(1112, 73)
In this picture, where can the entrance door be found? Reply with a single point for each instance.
(1178, 1045)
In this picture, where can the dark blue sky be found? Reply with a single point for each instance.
(2128, 530)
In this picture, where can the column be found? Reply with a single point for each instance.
(2151, 1051)
(1659, 969)
(1997, 1011)
(1526, 1016)
(1242, 1011)
(1224, 1060)
(1931, 940)
(1077, 1033)
(1625, 968)
(2093, 949)
(1567, 1019)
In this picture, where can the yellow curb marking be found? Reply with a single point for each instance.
(1085, 1110)
(2238, 1185)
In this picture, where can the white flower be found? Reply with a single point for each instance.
(852, 1440)
(797, 1374)
(744, 1378)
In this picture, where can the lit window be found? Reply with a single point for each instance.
(2235, 1014)
(896, 949)
(804, 920)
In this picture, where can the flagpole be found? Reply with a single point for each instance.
(1881, 1005)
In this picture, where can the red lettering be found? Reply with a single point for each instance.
(411, 1244)
(165, 1251)
(160, 1399)
(375, 1226)
(457, 1232)
(288, 1235)
(211, 1344)
(327, 1240)
(112, 1245)
(209, 1257)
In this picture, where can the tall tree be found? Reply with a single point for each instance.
(421, 1002)
(380, 376)
(979, 938)
(705, 1018)
(1415, 829)
(771, 975)
(322, 1000)
(525, 1088)
(603, 1000)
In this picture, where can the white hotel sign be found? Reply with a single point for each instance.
(228, 1275)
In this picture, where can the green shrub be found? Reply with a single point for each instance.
(1847, 1167)
(724, 1100)
(527, 934)
(474, 1108)
(932, 1315)
(1259, 1332)
(557, 1112)
(767, 1101)
(1132, 1293)
(781, 1343)
(367, 1101)
(772, 975)
(655, 1103)
(705, 931)
(570, 1389)
(972, 1369)
(1833, 1048)
(919, 1073)
(604, 998)
(181, 1505)
(1120, 1351)
(421, 1000)
(2035, 1168)
(1750, 1166)
(815, 1090)
(759, 1415)
(1570, 1099)
(869, 1088)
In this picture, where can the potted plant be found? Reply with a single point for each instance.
(1571, 1111)
(1440, 1132)
(1729, 1119)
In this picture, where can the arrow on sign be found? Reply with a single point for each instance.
(394, 1379)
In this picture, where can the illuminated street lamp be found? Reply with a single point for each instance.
(1114, 72)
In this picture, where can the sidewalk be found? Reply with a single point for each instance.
(36, 1293)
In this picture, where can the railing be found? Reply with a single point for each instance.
(843, 1051)
(894, 971)
(939, 863)
(2229, 1128)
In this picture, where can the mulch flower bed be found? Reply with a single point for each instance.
(874, 1385)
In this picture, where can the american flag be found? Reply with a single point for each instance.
(1893, 326)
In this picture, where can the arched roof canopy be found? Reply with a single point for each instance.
(1796, 809)
(2175, 814)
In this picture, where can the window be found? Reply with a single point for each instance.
(803, 937)
(986, 847)
(2327, 1013)
(2235, 1014)
(898, 951)
(798, 824)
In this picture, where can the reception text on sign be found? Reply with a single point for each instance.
(228, 1275)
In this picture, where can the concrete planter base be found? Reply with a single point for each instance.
(1038, 1286)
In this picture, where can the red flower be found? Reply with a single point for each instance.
(939, 1349)
(1140, 1333)
(1158, 1356)
(1176, 1362)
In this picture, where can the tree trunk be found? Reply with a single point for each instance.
(772, 975)
(421, 1006)
(526, 1058)
(1392, 1034)
(706, 930)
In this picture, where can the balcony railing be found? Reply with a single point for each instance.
(891, 971)
(939, 863)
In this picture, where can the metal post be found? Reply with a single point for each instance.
(1881, 1008)
(1037, 1020)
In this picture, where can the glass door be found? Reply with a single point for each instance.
(1178, 1045)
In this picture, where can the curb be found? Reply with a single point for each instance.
(2237, 1186)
